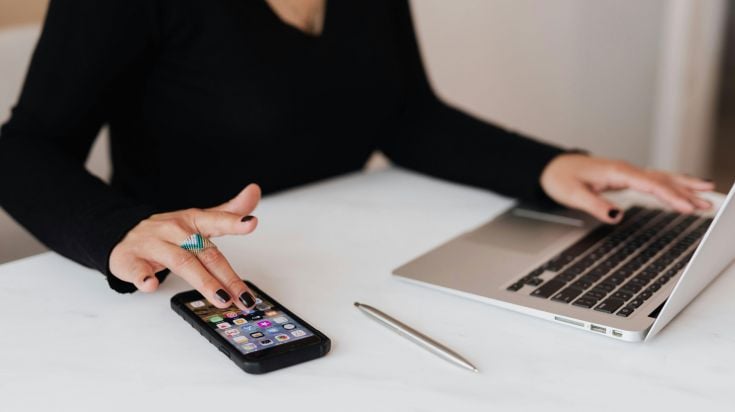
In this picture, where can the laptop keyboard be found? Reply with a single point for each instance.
(616, 268)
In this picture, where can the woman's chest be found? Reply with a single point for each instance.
(237, 70)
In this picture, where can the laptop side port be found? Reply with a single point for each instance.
(617, 333)
(569, 321)
(598, 329)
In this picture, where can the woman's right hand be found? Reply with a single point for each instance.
(154, 244)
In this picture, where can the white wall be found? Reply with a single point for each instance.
(575, 72)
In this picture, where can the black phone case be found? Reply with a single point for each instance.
(266, 363)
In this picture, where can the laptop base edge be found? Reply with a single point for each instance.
(579, 324)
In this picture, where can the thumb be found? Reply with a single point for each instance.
(242, 204)
(584, 198)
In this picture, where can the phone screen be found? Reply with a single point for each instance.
(263, 327)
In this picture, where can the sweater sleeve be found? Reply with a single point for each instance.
(85, 46)
(434, 138)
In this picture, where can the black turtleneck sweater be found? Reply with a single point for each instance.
(203, 97)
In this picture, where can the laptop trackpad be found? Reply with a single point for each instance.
(520, 234)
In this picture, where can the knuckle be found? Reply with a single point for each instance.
(192, 211)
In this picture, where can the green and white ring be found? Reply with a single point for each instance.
(197, 243)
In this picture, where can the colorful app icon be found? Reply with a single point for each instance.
(240, 339)
(249, 346)
(257, 334)
(254, 316)
(289, 326)
(224, 325)
(231, 314)
(232, 332)
(271, 313)
(197, 304)
(215, 319)
(264, 324)
(239, 321)
(266, 342)
(248, 328)
(282, 337)
(272, 330)
(280, 319)
(298, 333)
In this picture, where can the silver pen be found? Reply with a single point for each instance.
(416, 337)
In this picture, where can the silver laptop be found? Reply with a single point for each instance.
(625, 281)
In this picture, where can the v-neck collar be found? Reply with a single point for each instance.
(312, 37)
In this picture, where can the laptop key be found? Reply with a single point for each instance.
(647, 274)
(645, 295)
(567, 295)
(610, 305)
(555, 264)
(548, 288)
(635, 303)
(582, 284)
(615, 279)
(597, 273)
(585, 302)
(631, 287)
(597, 294)
(566, 276)
(640, 281)
(515, 287)
(534, 281)
(621, 294)
(625, 312)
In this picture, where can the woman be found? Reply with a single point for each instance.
(202, 96)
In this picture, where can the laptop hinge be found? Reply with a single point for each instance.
(655, 312)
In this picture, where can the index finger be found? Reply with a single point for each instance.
(185, 264)
(216, 263)
(645, 182)
(213, 223)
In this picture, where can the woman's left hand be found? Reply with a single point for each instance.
(577, 181)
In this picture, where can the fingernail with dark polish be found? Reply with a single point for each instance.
(222, 296)
(247, 299)
(247, 219)
(613, 213)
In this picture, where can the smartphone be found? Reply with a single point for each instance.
(264, 339)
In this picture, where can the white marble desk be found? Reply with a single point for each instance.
(69, 343)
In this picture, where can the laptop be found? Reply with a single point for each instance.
(624, 281)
